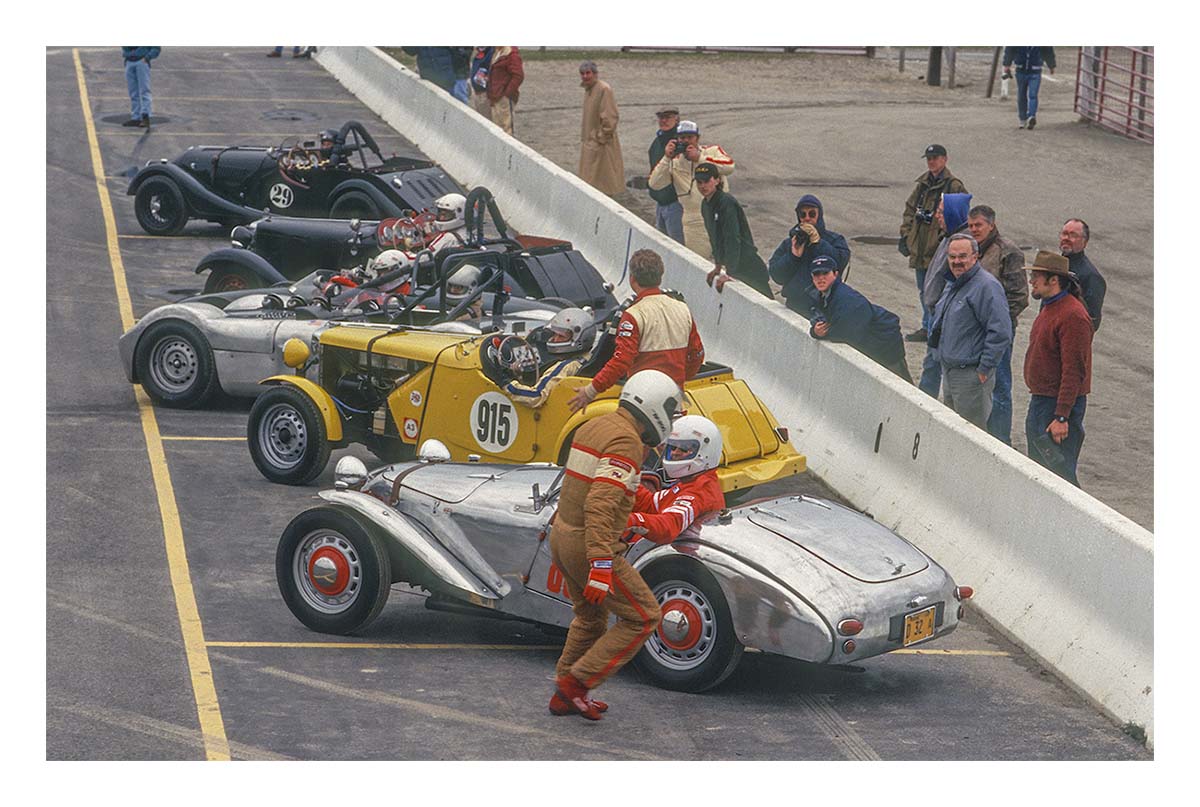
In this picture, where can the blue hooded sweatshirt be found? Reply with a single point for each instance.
(954, 212)
(794, 273)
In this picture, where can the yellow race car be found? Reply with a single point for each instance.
(392, 388)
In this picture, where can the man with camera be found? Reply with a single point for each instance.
(919, 233)
(668, 211)
(841, 314)
(677, 169)
(971, 332)
(791, 264)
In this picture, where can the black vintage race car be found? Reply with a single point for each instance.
(329, 176)
(280, 249)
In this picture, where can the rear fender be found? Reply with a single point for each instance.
(416, 558)
(243, 259)
(386, 206)
(766, 614)
(202, 200)
(592, 411)
(322, 399)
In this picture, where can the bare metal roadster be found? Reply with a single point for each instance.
(795, 576)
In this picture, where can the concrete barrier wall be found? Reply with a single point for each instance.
(1066, 577)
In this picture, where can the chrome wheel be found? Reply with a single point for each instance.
(327, 571)
(688, 631)
(174, 365)
(283, 436)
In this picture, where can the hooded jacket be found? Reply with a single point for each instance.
(856, 321)
(922, 238)
(794, 273)
(954, 213)
(974, 323)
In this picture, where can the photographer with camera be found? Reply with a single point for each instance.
(919, 233)
(790, 266)
(841, 314)
(677, 169)
(668, 212)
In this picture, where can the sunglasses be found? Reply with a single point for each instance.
(809, 214)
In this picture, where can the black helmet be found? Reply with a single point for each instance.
(517, 359)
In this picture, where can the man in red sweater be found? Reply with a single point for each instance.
(1058, 367)
(656, 332)
(496, 76)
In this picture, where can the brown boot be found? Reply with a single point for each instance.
(560, 707)
(572, 695)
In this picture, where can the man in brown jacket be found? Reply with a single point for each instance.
(919, 233)
(600, 481)
(600, 162)
(1003, 260)
(497, 74)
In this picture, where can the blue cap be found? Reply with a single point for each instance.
(822, 263)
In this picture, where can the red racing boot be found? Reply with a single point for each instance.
(570, 696)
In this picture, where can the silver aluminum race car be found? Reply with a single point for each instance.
(795, 576)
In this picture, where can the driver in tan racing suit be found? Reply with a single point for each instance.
(601, 477)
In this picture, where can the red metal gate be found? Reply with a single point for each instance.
(1114, 88)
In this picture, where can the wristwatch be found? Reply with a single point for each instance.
(1060, 419)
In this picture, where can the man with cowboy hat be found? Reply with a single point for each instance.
(1058, 366)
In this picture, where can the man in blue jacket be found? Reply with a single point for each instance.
(841, 314)
(971, 331)
(791, 264)
(137, 79)
(951, 217)
(1029, 63)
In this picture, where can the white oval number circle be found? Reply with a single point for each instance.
(494, 422)
(281, 195)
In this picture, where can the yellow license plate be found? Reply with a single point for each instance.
(919, 626)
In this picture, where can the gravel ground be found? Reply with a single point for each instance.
(852, 130)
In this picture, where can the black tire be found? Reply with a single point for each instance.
(333, 574)
(287, 437)
(230, 277)
(175, 365)
(354, 205)
(708, 650)
(160, 207)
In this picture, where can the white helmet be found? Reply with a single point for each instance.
(388, 261)
(652, 397)
(450, 212)
(694, 445)
(461, 284)
(568, 331)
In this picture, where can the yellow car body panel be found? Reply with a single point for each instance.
(324, 402)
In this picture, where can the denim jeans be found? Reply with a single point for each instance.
(462, 91)
(999, 423)
(137, 78)
(926, 312)
(931, 373)
(1028, 82)
(1041, 412)
(669, 219)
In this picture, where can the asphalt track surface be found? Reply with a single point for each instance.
(166, 638)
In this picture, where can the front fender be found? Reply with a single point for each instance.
(386, 206)
(323, 400)
(595, 409)
(199, 198)
(415, 557)
(244, 259)
(196, 314)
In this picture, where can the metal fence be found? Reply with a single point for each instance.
(1114, 88)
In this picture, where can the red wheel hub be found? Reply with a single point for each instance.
(681, 625)
(329, 571)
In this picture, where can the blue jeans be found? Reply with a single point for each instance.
(669, 219)
(1028, 82)
(931, 373)
(462, 91)
(137, 78)
(1041, 412)
(926, 312)
(999, 423)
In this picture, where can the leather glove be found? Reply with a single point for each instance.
(599, 581)
(903, 247)
(814, 235)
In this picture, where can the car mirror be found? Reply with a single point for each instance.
(433, 451)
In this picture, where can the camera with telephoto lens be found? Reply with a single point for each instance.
(925, 216)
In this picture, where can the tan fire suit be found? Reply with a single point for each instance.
(680, 171)
(602, 475)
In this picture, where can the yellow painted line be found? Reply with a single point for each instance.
(274, 100)
(212, 727)
(151, 237)
(914, 652)
(386, 646)
(212, 439)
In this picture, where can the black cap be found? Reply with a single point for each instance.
(935, 150)
(706, 171)
(822, 263)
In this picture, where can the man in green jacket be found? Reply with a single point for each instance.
(729, 234)
(919, 232)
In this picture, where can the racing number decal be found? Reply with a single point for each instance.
(494, 422)
(281, 195)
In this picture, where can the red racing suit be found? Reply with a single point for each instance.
(676, 511)
(656, 332)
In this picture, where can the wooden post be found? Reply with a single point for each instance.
(901, 60)
(992, 75)
(933, 69)
(951, 63)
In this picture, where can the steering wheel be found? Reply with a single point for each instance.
(385, 233)
(298, 158)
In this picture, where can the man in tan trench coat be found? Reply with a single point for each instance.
(600, 163)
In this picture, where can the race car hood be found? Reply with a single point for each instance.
(846, 540)
(409, 344)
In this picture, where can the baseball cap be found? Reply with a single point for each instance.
(687, 127)
(822, 263)
(935, 150)
(706, 171)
